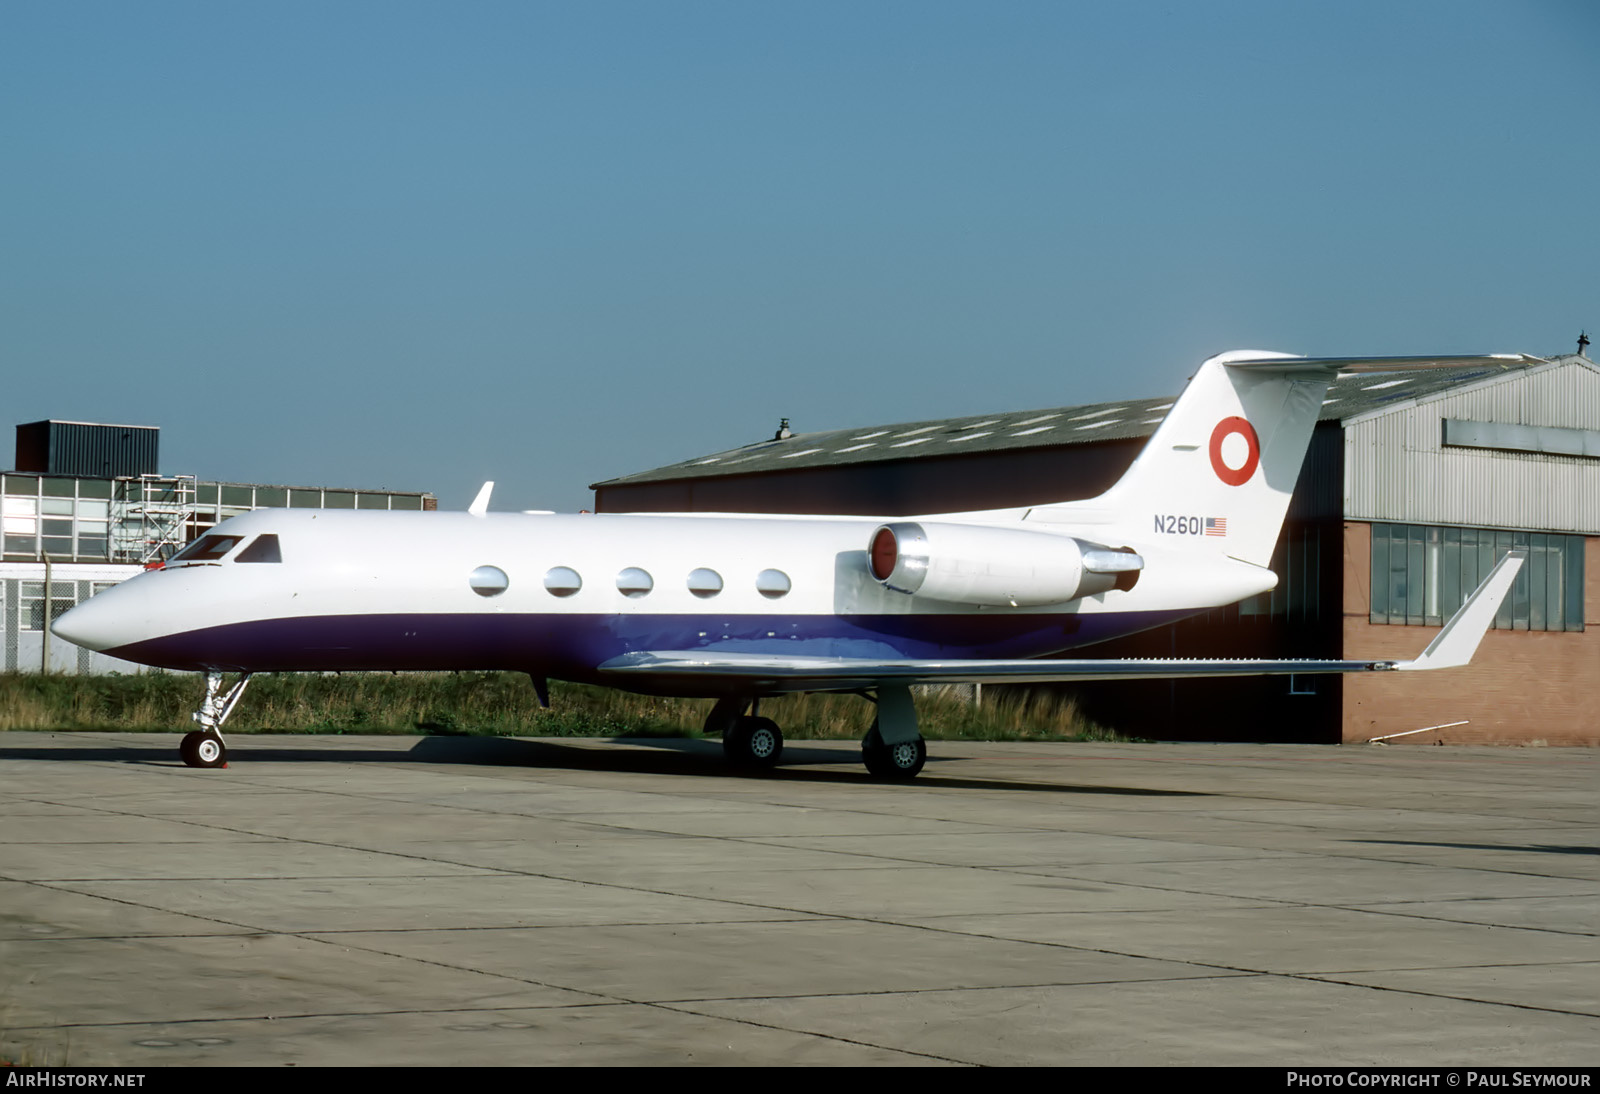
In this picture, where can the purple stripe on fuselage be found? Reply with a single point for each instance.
(570, 646)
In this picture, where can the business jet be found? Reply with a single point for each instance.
(742, 607)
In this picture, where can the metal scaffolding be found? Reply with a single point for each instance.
(150, 516)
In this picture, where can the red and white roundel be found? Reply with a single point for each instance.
(1238, 473)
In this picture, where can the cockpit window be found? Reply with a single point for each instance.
(264, 549)
(207, 549)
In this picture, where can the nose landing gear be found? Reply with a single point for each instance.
(205, 747)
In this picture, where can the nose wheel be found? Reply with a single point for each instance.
(203, 749)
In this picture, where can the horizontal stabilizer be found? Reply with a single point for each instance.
(1379, 364)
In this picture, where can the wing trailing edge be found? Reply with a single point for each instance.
(773, 673)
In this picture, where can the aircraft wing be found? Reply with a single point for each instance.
(774, 673)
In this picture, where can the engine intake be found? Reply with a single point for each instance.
(970, 564)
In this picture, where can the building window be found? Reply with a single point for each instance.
(63, 597)
(1297, 560)
(1421, 574)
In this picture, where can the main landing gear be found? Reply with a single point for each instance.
(204, 747)
(892, 749)
(747, 740)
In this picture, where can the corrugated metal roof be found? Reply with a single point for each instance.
(1048, 428)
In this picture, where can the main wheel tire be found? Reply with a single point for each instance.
(897, 761)
(753, 742)
(203, 750)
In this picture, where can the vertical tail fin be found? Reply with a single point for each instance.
(1224, 462)
(1227, 455)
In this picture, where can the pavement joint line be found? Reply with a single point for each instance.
(1569, 932)
(190, 878)
(817, 1033)
(950, 988)
(300, 1016)
(256, 932)
(609, 997)
(1236, 969)
(1032, 868)
(1288, 976)
(1321, 979)
(486, 1010)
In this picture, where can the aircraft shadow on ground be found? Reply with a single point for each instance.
(649, 756)
(1543, 848)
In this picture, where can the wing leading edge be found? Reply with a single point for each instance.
(771, 673)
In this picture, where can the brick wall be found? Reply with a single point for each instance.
(1523, 687)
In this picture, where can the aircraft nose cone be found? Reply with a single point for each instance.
(92, 624)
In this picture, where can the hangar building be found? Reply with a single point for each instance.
(1412, 487)
(86, 509)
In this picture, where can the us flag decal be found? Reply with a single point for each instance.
(1216, 526)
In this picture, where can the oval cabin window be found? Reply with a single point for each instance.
(488, 581)
(772, 584)
(562, 581)
(705, 583)
(634, 582)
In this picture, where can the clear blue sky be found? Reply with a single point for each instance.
(419, 245)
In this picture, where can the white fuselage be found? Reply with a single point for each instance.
(380, 590)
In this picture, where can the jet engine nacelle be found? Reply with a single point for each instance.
(968, 564)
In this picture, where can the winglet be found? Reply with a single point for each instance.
(480, 504)
(1458, 641)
